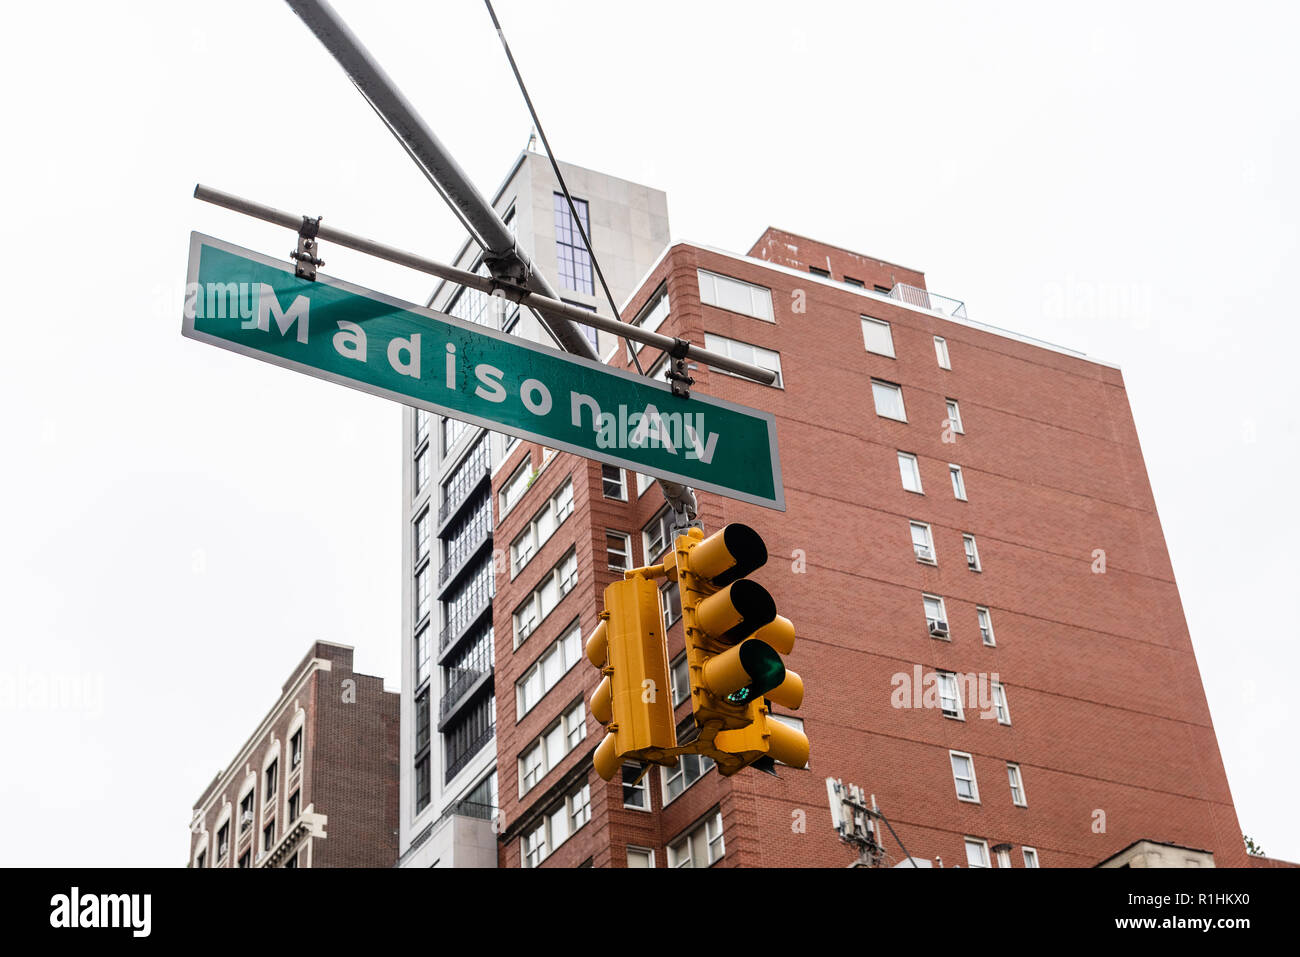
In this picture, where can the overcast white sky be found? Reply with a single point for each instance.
(180, 522)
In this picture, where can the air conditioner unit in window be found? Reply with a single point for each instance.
(246, 818)
(923, 553)
(938, 629)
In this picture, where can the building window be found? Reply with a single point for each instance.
(591, 334)
(1031, 856)
(923, 543)
(613, 482)
(534, 845)
(817, 271)
(941, 352)
(245, 860)
(452, 430)
(936, 619)
(268, 836)
(422, 656)
(950, 695)
(889, 400)
(679, 678)
(1000, 703)
(422, 721)
(246, 812)
(958, 483)
(1004, 855)
(986, 625)
(636, 787)
(223, 842)
(652, 315)
(618, 551)
(468, 736)
(744, 352)
(571, 253)
(539, 530)
(551, 747)
(657, 536)
(977, 852)
(201, 861)
(579, 803)
(643, 482)
(701, 847)
(422, 593)
(640, 857)
(547, 671)
(910, 471)
(272, 778)
(292, 863)
(422, 420)
(555, 584)
(963, 776)
(421, 470)
(690, 767)
(670, 600)
(954, 417)
(513, 490)
(972, 553)
(295, 749)
(422, 780)
(855, 282)
(1017, 785)
(422, 537)
(735, 295)
(294, 801)
(877, 337)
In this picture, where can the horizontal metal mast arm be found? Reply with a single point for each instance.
(545, 305)
(433, 158)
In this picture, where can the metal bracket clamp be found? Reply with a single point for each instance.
(679, 379)
(305, 254)
(683, 505)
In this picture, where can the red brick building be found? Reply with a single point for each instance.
(316, 785)
(965, 506)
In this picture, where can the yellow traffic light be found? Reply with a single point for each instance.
(632, 699)
(734, 644)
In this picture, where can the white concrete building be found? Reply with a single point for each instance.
(448, 751)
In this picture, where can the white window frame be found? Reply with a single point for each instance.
(658, 524)
(1016, 781)
(520, 477)
(647, 852)
(680, 687)
(954, 684)
(572, 727)
(667, 776)
(622, 483)
(1000, 707)
(958, 482)
(941, 352)
(760, 297)
(642, 787)
(643, 482)
(533, 610)
(681, 851)
(909, 458)
(985, 619)
(1003, 857)
(983, 847)
(665, 606)
(870, 323)
(1029, 854)
(627, 550)
(763, 358)
(651, 316)
(974, 785)
(923, 551)
(569, 648)
(972, 552)
(943, 610)
(530, 541)
(875, 399)
(954, 416)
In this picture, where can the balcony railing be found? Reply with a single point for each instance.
(462, 680)
(924, 299)
(471, 749)
(471, 540)
(467, 808)
(471, 473)
(463, 619)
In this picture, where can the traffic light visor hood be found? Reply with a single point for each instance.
(729, 554)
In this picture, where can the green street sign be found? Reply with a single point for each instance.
(252, 304)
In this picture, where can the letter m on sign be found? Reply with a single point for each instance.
(268, 305)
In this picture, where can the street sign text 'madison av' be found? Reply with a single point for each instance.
(255, 305)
